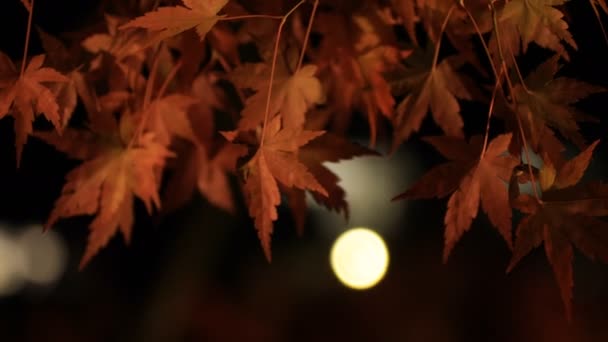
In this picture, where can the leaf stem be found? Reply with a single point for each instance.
(599, 20)
(168, 79)
(251, 16)
(513, 98)
(444, 25)
(273, 69)
(307, 35)
(147, 99)
(28, 33)
(497, 76)
(152, 79)
(490, 111)
(518, 72)
(486, 49)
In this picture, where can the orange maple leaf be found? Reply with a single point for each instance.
(168, 118)
(471, 181)
(355, 55)
(25, 96)
(277, 160)
(428, 87)
(119, 44)
(564, 215)
(536, 21)
(212, 178)
(107, 182)
(169, 21)
(548, 100)
(292, 95)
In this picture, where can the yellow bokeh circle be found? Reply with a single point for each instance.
(359, 258)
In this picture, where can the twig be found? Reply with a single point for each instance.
(273, 69)
(28, 33)
(307, 35)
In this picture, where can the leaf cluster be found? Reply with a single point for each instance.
(158, 79)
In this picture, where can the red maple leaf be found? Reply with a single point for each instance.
(26, 95)
(277, 160)
(172, 20)
(564, 215)
(112, 174)
(472, 179)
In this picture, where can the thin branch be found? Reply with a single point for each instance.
(599, 20)
(514, 99)
(490, 111)
(518, 72)
(28, 33)
(308, 29)
(444, 25)
(168, 79)
(483, 42)
(251, 16)
(273, 69)
(147, 99)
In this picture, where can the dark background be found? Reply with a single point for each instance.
(200, 275)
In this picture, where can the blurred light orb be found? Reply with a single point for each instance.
(12, 265)
(46, 255)
(359, 258)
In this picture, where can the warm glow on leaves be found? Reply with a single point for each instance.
(25, 96)
(167, 22)
(538, 21)
(292, 96)
(107, 182)
(177, 99)
(277, 161)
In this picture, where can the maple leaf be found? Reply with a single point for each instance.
(200, 167)
(120, 45)
(276, 160)
(471, 181)
(407, 10)
(168, 118)
(169, 21)
(326, 148)
(548, 100)
(565, 215)
(25, 96)
(107, 181)
(537, 21)
(27, 4)
(292, 95)
(67, 62)
(212, 177)
(428, 87)
(356, 53)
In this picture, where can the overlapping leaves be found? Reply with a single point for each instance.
(565, 215)
(356, 59)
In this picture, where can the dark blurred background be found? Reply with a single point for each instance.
(199, 274)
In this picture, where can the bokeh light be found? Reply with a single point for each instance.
(46, 255)
(370, 182)
(30, 258)
(12, 265)
(359, 258)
